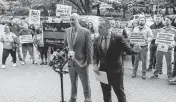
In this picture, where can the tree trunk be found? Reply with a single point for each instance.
(98, 10)
(167, 11)
(174, 11)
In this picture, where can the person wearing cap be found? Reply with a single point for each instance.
(168, 28)
(108, 50)
(157, 25)
(78, 40)
(142, 28)
(27, 45)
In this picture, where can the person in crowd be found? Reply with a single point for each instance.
(27, 44)
(43, 49)
(15, 28)
(8, 40)
(78, 40)
(173, 80)
(118, 26)
(90, 27)
(83, 23)
(134, 24)
(157, 25)
(142, 54)
(108, 51)
(168, 55)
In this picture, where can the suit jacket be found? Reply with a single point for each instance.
(112, 60)
(82, 46)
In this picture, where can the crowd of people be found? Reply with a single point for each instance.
(107, 50)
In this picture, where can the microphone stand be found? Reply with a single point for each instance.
(60, 71)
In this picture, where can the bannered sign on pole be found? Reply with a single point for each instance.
(34, 16)
(63, 11)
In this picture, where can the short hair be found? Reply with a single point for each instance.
(75, 15)
(168, 18)
(142, 16)
(104, 22)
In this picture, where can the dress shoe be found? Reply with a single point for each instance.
(143, 76)
(72, 100)
(149, 69)
(133, 75)
(154, 77)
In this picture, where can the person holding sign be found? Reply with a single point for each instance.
(108, 49)
(155, 28)
(165, 42)
(78, 40)
(144, 34)
(26, 39)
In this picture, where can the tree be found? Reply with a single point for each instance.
(84, 6)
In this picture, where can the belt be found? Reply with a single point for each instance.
(144, 46)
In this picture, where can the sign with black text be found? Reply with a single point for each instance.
(25, 39)
(165, 38)
(63, 11)
(53, 33)
(34, 16)
(137, 38)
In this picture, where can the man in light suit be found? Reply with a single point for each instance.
(108, 50)
(78, 40)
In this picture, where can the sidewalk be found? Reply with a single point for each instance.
(35, 83)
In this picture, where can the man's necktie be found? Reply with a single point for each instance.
(104, 44)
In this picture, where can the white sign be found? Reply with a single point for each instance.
(162, 47)
(165, 38)
(26, 39)
(63, 11)
(137, 38)
(105, 5)
(34, 16)
(102, 77)
(117, 31)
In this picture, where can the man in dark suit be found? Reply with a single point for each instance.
(108, 49)
(78, 40)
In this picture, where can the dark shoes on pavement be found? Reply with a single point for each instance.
(144, 76)
(149, 69)
(133, 75)
(154, 77)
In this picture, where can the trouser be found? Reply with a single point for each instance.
(43, 52)
(132, 59)
(153, 48)
(116, 81)
(143, 56)
(30, 49)
(152, 63)
(159, 59)
(19, 53)
(174, 70)
(83, 73)
(5, 54)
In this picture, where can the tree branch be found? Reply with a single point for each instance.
(83, 6)
(77, 6)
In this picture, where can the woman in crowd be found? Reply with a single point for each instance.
(8, 40)
(38, 40)
(90, 27)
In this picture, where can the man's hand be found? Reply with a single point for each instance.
(137, 48)
(71, 54)
(96, 70)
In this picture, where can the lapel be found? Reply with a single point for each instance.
(69, 39)
(100, 46)
(110, 42)
(77, 37)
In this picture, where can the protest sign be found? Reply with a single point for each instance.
(155, 32)
(34, 17)
(137, 38)
(162, 47)
(165, 38)
(117, 31)
(53, 33)
(26, 39)
(63, 11)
